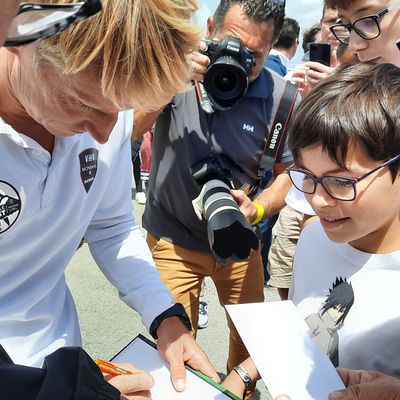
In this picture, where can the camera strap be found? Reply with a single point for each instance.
(277, 135)
(204, 101)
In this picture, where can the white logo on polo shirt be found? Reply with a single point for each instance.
(10, 206)
(248, 128)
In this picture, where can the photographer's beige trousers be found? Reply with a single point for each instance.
(183, 270)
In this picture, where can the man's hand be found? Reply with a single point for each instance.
(246, 206)
(198, 63)
(177, 346)
(132, 387)
(367, 385)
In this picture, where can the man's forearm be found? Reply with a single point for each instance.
(273, 197)
(143, 121)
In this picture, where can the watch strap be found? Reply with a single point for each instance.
(177, 310)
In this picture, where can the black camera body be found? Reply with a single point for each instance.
(226, 79)
(230, 235)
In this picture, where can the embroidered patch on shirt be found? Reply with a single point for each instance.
(10, 206)
(88, 160)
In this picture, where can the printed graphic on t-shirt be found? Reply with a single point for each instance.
(10, 206)
(88, 160)
(330, 318)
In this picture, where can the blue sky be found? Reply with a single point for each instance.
(306, 12)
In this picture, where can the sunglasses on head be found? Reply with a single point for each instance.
(35, 22)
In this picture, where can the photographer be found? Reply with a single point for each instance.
(225, 141)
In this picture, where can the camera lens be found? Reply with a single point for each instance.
(225, 82)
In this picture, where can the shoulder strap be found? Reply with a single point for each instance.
(277, 135)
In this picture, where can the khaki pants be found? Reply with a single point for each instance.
(285, 236)
(183, 270)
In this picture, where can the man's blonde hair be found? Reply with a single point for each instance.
(139, 48)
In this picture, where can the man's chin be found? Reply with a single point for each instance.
(253, 78)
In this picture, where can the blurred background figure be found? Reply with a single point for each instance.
(310, 35)
(285, 48)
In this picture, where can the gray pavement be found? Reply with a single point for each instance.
(107, 324)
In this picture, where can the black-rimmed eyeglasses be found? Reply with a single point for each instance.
(367, 27)
(338, 187)
(39, 21)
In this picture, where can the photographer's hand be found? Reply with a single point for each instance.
(246, 206)
(198, 63)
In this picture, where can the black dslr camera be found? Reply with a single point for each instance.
(226, 79)
(230, 235)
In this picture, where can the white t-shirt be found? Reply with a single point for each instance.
(47, 204)
(297, 201)
(366, 287)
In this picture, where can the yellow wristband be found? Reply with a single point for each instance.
(260, 213)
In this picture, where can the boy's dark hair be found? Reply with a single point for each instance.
(359, 104)
(309, 36)
(341, 297)
(257, 10)
(289, 34)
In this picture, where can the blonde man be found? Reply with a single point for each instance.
(65, 174)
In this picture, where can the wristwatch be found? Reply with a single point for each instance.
(244, 375)
(177, 310)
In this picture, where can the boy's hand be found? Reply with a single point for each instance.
(309, 75)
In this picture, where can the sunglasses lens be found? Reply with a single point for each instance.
(34, 21)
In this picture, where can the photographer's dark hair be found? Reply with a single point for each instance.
(338, 3)
(309, 36)
(358, 104)
(289, 34)
(258, 10)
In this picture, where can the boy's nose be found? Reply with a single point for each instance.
(321, 199)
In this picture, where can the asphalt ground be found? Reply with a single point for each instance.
(107, 324)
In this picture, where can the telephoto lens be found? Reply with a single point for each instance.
(230, 235)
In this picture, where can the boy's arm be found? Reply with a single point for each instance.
(235, 384)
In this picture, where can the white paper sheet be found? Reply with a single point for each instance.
(146, 357)
(288, 360)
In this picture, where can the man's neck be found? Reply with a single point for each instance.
(12, 111)
(284, 52)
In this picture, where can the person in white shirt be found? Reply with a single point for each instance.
(65, 130)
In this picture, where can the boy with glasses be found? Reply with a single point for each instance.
(371, 29)
(346, 145)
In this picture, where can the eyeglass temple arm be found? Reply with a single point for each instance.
(385, 164)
